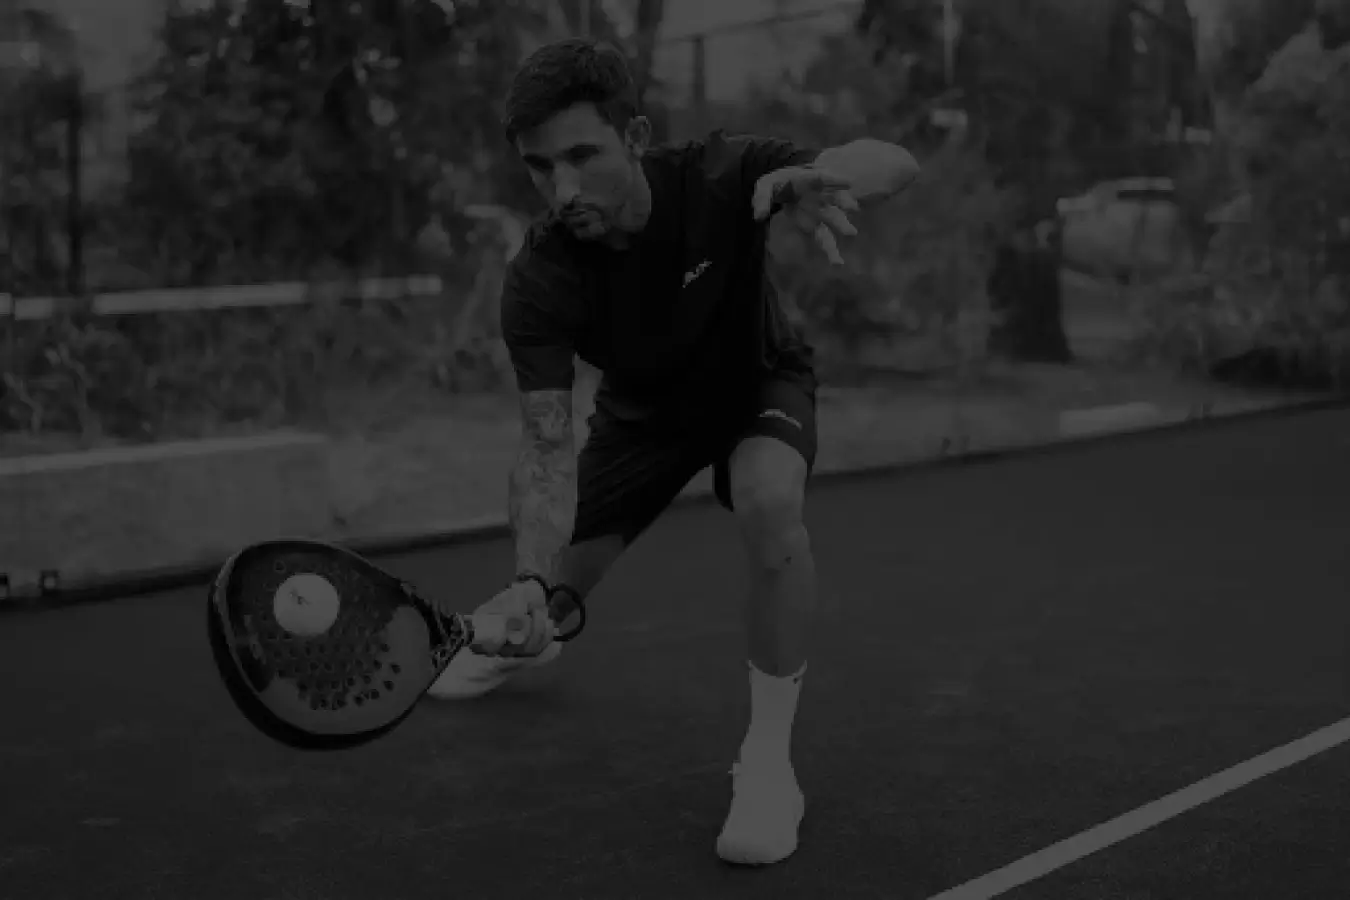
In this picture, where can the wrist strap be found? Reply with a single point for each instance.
(575, 596)
(550, 591)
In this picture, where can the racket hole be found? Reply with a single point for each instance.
(388, 685)
(395, 668)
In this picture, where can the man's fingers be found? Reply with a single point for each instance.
(528, 634)
(797, 187)
(838, 220)
(825, 238)
(845, 200)
(810, 218)
(824, 179)
(806, 219)
(769, 190)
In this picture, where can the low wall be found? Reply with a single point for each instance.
(157, 505)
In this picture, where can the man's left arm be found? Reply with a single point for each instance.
(875, 170)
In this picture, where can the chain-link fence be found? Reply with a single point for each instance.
(357, 184)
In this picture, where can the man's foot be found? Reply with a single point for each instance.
(472, 674)
(766, 809)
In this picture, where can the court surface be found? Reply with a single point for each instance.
(1015, 652)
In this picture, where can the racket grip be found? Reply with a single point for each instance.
(490, 633)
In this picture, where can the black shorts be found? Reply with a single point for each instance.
(630, 473)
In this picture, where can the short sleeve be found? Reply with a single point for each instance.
(537, 315)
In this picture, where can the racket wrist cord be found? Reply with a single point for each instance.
(570, 597)
(563, 600)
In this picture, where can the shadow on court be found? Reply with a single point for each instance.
(1016, 652)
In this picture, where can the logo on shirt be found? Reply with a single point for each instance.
(695, 272)
(779, 414)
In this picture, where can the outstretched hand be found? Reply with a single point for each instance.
(817, 200)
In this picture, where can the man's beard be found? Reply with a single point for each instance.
(586, 223)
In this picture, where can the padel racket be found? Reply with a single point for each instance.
(321, 649)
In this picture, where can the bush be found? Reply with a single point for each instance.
(1277, 285)
(914, 287)
(915, 275)
(184, 374)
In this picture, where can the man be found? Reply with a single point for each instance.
(651, 267)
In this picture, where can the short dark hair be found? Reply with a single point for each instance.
(564, 73)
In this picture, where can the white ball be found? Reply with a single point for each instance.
(306, 605)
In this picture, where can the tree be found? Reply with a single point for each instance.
(1060, 95)
(1043, 84)
(41, 97)
(1277, 304)
(285, 137)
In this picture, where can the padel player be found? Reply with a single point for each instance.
(651, 266)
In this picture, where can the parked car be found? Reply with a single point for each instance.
(1130, 230)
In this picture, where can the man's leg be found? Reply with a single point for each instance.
(626, 477)
(768, 494)
(764, 483)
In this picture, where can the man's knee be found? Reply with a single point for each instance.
(770, 515)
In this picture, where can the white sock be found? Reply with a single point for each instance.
(773, 704)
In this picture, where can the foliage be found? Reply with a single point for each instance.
(1056, 90)
(1281, 279)
(915, 274)
(36, 96)
(154, 375)
(281, 140)
(284, 138)
(1243, 36)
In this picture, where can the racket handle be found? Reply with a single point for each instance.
(490, 633)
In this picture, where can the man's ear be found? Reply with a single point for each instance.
(639, 135)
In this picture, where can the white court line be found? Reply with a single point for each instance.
(1059, 855)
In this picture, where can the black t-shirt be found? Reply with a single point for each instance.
(682, 322)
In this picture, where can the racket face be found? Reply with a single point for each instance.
(318, 647)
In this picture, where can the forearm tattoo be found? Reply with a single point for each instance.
(542, 498)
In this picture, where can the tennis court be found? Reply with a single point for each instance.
(1016, 652)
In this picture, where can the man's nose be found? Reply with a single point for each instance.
(566, 185)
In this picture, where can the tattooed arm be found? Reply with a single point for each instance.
(543, 488)
(543, 302)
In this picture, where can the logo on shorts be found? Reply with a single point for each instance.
(696, 272)
(779, 414)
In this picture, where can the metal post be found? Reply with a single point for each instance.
(700, 42)
(75, 193)
(949, 27)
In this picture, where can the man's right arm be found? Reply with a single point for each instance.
(542, 496)
(540, 301)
